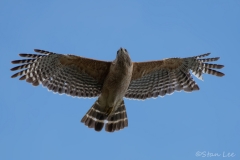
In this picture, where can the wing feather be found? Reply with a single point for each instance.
(158, 78)
(69, 74)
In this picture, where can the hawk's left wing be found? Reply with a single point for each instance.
(73, 75)
(158, 78)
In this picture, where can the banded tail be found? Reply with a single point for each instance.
(96, 117)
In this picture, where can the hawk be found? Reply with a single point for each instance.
(112, 81)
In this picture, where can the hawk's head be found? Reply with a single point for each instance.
(123, 57)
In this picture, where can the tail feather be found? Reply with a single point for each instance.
(97, 116)
(118, 120)
(94, 118)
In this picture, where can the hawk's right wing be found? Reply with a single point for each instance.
(158, 78)
(73, 75)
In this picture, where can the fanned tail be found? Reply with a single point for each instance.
(97, 116)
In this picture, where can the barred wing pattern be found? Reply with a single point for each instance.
(69, 74)
(158, 78)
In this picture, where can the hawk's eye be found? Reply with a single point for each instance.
(117, 52)
(125, 50)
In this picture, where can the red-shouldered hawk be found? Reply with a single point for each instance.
(112, 81)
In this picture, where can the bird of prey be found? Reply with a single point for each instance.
(112, 81)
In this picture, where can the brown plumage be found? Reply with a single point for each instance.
(112, 81)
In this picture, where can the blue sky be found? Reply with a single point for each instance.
(37, 124)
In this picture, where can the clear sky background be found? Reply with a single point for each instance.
(36, 124)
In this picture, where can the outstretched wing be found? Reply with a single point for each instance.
(158, 78)
(73, 75)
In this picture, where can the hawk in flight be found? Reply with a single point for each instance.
(112, 81)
